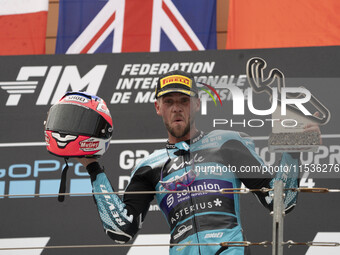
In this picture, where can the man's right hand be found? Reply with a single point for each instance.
(86, 161)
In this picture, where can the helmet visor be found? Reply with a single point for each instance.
(78, 120)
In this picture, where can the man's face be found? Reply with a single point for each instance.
(178, 112)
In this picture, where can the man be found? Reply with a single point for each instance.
(193, 218)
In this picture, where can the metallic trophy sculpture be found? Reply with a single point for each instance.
(288, 132)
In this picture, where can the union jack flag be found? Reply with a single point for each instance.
(93, 26)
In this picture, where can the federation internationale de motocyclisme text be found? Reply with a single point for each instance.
(312, 168)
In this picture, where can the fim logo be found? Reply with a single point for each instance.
(16, 88)
(56, 78)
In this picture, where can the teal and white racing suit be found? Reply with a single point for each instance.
(221, 159)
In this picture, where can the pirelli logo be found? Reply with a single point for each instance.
(175, 79)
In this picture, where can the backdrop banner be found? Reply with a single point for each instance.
(29, 85)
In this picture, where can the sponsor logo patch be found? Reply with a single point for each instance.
(77, 98)
(89, 145)
(170, 200)
(47, 139)
(214, 235)
(181, 230)
(175, 79)
(103, 108)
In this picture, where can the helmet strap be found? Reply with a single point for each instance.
(62, 187)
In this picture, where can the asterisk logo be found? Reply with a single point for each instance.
(217, 202)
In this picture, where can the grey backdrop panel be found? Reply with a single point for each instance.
(24, 157)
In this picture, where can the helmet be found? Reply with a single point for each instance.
(78, 125)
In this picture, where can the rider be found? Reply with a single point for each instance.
(184, 163)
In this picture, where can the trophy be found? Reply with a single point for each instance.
(290, 115)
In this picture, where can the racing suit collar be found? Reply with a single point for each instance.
(185, 145)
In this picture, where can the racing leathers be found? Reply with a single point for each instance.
(220, 159)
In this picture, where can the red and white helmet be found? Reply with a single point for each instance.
(78, 125)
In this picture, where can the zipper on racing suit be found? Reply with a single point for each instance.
(185, 157)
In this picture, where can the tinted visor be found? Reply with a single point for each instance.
(77, 120)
